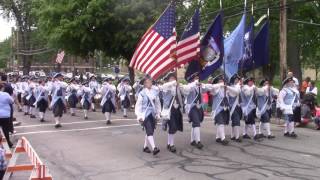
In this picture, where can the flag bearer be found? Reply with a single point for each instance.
(248, 106)
(193, 94)
(172, 109)
(235, 109)
(263, 112)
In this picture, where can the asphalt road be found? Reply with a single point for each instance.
(90, 150)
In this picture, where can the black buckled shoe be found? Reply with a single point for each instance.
(218, 140)
(238, 140)
(286, 134)
(246, 136)
(193, 143)
(261, 135)
(293, 135)
(42, 120)
(146, 150)
(257, 137)
(156, 151)
(224, 142)
(108, 122)
(58, 126)
(233, 138)
(199, 145)
(172, 149)
(271, 137)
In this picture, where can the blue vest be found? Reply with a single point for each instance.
(147, 107)
(217, 102)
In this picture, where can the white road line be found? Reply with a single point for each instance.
(76, 122)
(85, 129)
(71, 130)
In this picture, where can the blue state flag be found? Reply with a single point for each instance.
(234, 48)
(211, 48)
(246, 63)
(261, 46)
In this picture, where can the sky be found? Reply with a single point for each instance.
(5, 28)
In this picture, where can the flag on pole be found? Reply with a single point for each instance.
(154, 54)
(60, 57)
(261, 46)
(188, 48)
(246, 62)
(234, 48)
(212, 51)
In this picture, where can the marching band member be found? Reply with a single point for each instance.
(137, 88)
(19, 91)
(94, 86)
(58, 103)
(24, 94)
(249, 107)
(108, 91)
(31, 97)
(72, 90)
(288, 101)
(235, 109)
(86, 98)
(193, 107)
(148, 110)
(220, 106)
(263, 112)
(171, 111)
(42, 101)
(124, 90)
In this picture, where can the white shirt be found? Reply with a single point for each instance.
(314, 90)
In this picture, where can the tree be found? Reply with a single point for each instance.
(20, 10)
(81, 27)
(5, 51)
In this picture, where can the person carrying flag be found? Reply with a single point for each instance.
(171, 113)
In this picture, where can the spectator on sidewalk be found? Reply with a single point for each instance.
(312, 88)
(3, 162)
(317, 118)
(304, 86)
(6, 102)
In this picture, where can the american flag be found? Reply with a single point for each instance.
(60, 57)
(188, 47)
(154, 54)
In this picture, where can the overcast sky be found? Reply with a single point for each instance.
(5, 28)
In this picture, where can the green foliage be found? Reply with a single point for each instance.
(5, 50)
(82, 26)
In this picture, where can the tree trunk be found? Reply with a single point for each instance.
(131, 74)
(294, 58)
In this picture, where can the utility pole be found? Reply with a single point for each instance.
(283, 39)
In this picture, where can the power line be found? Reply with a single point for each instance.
(304, 22)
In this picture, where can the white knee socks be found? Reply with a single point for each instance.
(107, 115)
(196, 131)
(57, 120)
(124, 111)
(171, 139)
(220, 132)
(85, 113)
(151, 142)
